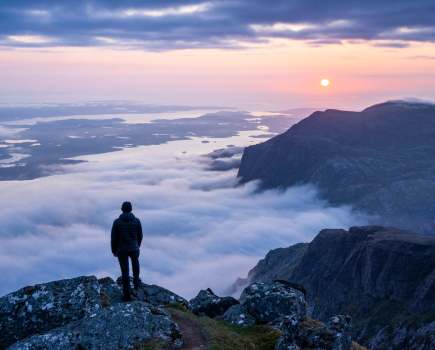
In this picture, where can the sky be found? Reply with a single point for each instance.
(253, 55)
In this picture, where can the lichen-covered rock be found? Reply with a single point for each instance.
(40, 308)
(294, 335)
(239, 316)
(206, 303)
(271, 300)
(334, 335)
(116, 327)
(282, 344)
(154, 295)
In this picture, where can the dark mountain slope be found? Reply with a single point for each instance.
(384, 278)
(381, 160)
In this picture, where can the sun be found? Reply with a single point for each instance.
(325, 82)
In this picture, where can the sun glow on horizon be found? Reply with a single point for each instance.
(325, 82)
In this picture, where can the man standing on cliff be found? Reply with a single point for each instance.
(126, 239)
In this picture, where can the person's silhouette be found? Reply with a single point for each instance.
(126, 240)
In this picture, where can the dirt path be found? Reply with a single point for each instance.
(194, 336)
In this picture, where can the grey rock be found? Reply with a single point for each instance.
(279, 322)
(267, 301)
(294, 334)
(380, 160)
(283, 344)
(334, 335)
(117, 327)
(206, 303)
(40, 308)
(154, 295)
(239, 316)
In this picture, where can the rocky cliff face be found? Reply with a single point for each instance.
(277, 265)
(381, 160)
(384, 278)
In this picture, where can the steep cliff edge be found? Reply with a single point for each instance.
(277, 265)
(381, 160)
(384, 278)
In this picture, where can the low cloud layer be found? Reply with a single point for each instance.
(168, 25)
(200, 230)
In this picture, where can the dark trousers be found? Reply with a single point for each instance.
(123, 263)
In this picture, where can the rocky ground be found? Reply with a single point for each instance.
(86, 313)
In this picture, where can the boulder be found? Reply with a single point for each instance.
(271, 300)
(154, 295)
(121, 326)
(206, 303)
(239, 316)
(334, 335)
(43, 307)
(294, 334)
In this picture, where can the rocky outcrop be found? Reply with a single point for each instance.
(335, 335)
(155, 295)
(269, 301)
(122, 326)
(384, 278)
(283, 305)
(294, 334)
(239, 316)
(206, 303)
(94, 318)
(380, 160)
(43, 307)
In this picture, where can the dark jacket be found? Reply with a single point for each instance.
(126, 233)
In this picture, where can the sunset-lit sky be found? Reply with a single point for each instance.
(257, 55)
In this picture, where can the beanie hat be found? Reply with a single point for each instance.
(126, 207)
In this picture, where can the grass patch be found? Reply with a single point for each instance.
(226, 336)
(154, 344)
(312, 324)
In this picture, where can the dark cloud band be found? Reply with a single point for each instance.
(170, 24)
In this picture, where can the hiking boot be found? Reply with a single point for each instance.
(137, 283)
(126, 297)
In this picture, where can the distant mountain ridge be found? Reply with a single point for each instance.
(384, 278)
(380, 160)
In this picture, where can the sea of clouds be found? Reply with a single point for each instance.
(200, 228)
